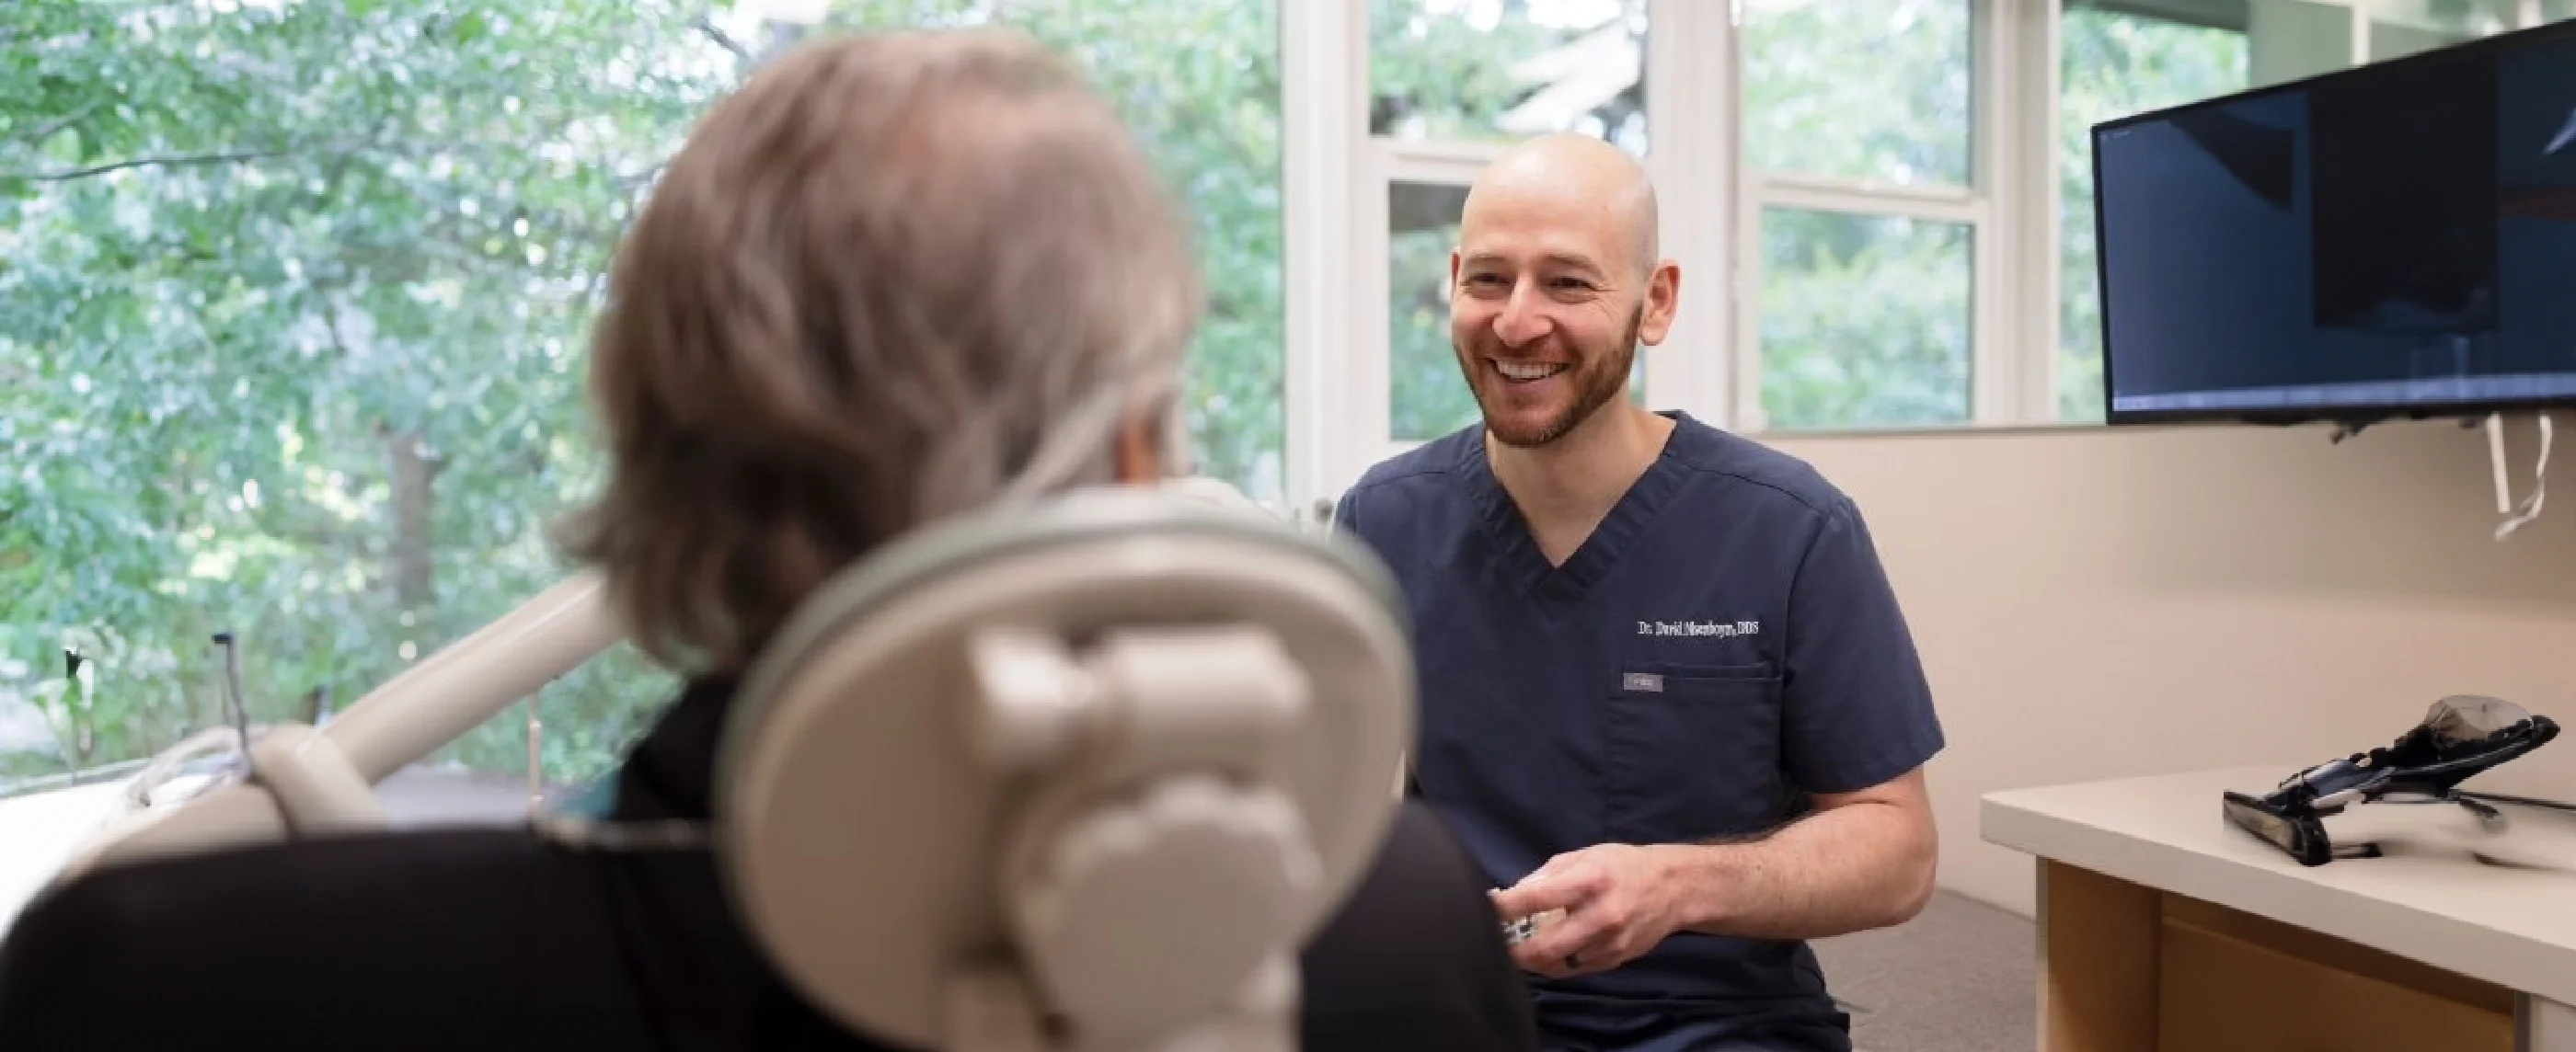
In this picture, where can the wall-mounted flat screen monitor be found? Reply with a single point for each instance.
(2395, 240)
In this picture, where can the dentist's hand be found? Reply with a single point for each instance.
(1618, 903)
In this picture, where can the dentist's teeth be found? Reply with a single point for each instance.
(1527, 370)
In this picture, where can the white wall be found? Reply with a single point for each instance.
(2098, 603)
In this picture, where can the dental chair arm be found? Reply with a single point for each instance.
(400, 723)
(439, 700)
(308, 782)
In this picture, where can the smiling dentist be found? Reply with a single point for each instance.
(1666, 685)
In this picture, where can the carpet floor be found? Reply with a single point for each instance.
(1962, 977)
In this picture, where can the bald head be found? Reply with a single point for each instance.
(1556, 283)
(1578, 182)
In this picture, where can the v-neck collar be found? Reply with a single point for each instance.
(1526, 567)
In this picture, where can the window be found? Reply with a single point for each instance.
(1502, 70)
(292, 339)
(2123, 57)
(1427, 397)
(1886, 303)
(1862, 90)
(1859, 143)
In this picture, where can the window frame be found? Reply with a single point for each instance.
(1338, 175)
(2009, 384)
(1389, 162)
(1339, 412)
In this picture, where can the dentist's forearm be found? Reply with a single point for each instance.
(1852, 868)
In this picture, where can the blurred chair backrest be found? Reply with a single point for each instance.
(1081, 774)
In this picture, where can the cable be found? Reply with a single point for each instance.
(536, 761)
(2495, 463)
(171, 762)
(2523, 801)
(2530, 507)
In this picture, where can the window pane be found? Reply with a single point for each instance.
(1859, 89)
(1866, 320)
(1426, 397)
(330, 397)
(1501, 70)
(2140, 55)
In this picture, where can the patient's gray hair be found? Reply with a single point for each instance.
(893, 278)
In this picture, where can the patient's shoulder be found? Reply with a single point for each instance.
(471, 938)
(305, 944)
(379, 880)
(496, 939)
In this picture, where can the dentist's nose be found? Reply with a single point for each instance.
(1520, 322)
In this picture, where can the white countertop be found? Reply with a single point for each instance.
(2430, 899)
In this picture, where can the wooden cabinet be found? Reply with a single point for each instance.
(2127, 968)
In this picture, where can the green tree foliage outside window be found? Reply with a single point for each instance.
(1426, 397)
(1871, 90)
(294, 298)
(291, 326)
(1867, 321)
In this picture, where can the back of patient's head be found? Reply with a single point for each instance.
(890, 279)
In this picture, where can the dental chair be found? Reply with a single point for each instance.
(1105, 774)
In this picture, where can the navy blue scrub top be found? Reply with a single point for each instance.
(1723, 644)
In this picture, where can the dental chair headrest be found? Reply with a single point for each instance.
(1093, 768)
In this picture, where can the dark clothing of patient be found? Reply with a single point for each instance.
(497, 939)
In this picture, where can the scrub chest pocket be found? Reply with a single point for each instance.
(1691, 752)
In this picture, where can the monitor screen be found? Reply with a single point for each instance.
(2393, 240)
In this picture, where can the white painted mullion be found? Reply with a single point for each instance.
(1324, 98)
(1369, 415)
(2031, 215)
(1401, 166)
(1893, 194)
(1743, 235)
(1777, 192)
(1749, 414)
(1995, 375)
(1691, 125)
(1437, 153)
